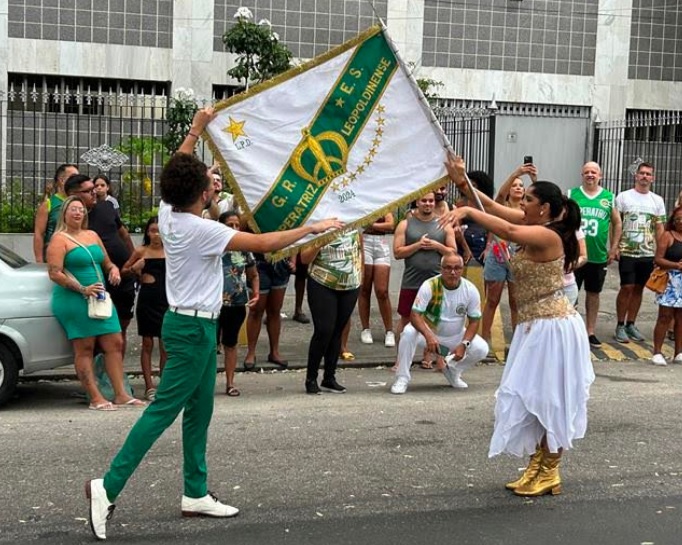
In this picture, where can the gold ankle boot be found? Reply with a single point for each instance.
(547, 480)
(529, 473)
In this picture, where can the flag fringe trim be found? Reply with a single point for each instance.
(326, 238)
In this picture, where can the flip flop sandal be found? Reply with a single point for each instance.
(232, 392)
(132, 402)
(347, 356)
(106, 406)
(283, 364)
(425, 364)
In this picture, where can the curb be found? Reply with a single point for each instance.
(62, 374)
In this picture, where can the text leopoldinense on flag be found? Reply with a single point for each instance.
(346, 135)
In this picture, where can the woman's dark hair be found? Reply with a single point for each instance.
(105, 179)
(566, 218)
(183, 180)
(73, 183)
(670, 224)
(483, 182)
(146, 241)
(223, 217)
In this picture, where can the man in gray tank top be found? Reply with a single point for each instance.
(421, 243)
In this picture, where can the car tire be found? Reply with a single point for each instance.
(9, 373)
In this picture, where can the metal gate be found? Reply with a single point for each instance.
(651, 136)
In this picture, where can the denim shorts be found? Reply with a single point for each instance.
(273, 276)
(494, 271)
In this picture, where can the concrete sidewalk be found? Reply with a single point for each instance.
(296, 337)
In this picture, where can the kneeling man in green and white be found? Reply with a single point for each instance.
(445, 317)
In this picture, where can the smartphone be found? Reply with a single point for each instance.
(528, 160)
(443, 350)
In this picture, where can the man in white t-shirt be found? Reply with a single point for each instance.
(194, 281)
(445, 317)
(644, 217)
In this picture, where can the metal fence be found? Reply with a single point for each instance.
(41, 130)
(654, 137)
(471, 132)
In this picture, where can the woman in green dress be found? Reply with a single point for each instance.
(76, 260)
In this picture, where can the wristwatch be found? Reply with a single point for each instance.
(466, 343)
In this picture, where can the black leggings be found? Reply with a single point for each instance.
(330, 310)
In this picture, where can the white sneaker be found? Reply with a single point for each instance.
(101, 509)
(658, 359)
(366, 336)
(389, 340)
(678, 358)
(399, 386)
(208, 506)
(454, 377)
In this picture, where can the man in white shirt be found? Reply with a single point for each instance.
(644, 216)
(445, 318)
(194, 279)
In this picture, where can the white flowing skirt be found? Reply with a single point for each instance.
(545, 387)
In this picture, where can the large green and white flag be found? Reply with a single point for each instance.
(347, 135)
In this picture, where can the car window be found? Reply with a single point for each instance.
(13, 260)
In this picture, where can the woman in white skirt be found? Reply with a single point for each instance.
(541, 405)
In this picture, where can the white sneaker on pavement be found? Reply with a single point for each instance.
(101, 509)
(678, 358)
(389, 340)
(453, 377)
(399, 386)
(658, 359)
(366, 336)
(208, 506)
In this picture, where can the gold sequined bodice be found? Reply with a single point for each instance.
(539, 288)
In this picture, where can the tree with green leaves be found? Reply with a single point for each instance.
(428, 86)
(260, 54)
(181, 109)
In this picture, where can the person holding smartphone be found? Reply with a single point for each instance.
(445, 317)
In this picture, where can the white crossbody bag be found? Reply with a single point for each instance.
(99, 306)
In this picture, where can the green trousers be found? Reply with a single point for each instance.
(187, 382)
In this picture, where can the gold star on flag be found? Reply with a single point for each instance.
(361, 169)
(340, 102)
(376, 141)
(235, 128)
(381, 108)
(345, 182)
(379, 132)
(372, 152)
(367, 161)
(353, 176)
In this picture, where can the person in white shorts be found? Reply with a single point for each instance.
(445, 317)
(377, 272)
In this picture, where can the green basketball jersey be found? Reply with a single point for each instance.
(596, 221)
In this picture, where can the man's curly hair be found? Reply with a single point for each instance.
(183, 179)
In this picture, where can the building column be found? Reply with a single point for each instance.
(405, 22)
(612, 60)
(193, 46)
(4, 60)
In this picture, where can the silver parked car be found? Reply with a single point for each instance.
(31, 339)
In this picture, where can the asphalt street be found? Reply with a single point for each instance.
(363, 467)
